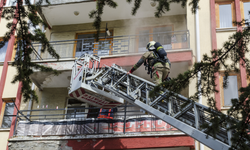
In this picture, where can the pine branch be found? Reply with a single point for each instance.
(23, 43)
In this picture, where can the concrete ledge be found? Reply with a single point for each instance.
(226, 29)
(60, 2)
(142, 134)
(5, 130)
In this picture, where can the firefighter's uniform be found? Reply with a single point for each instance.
(160, 70)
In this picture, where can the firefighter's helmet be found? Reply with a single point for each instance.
(150, 45)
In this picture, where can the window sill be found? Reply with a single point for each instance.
(226, 29)
(4, 130)
(225, 107)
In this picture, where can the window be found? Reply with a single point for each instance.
(13, 2)
(32, 28)
(8, 109)
(3, 52)
(231, 91)
(79, 111)
(225, 14)
(245, 8)
(87, 44)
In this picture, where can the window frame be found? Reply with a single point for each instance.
(150, 28)
(222, 89)
(5, 101)
(242, 9)
(1, 39)
(7, 1)
(217, 12)
(13, 50)
(81, 33)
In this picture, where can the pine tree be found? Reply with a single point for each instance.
(235, 50)
(18, 17)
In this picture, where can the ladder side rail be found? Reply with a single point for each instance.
(195, 113)
(177, 95)
(189, 130)
(197, 117)
(72, 75)
(134, 76)
(196, 134)
(147, 94)
(184, 99)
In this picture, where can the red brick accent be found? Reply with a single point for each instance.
(5, 66)
(131, 60)
(243, 74)
(132, 143)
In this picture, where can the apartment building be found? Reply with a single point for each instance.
(58, 121)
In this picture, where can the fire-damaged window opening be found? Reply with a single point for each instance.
(77, 110)
(161, 34)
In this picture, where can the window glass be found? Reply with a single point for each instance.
(231, 91)
(225, 16)
(13, 2)
(246, 10)
(78, 111)
(3, 52)
(9, 109)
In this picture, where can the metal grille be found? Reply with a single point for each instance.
(113, 45)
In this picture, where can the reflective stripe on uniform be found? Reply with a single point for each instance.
(159, 48)
(135, 67)
(157, 74)
(160, 63)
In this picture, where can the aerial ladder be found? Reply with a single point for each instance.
(109, 86)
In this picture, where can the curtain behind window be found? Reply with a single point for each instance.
(231, 91)
(225, 16)
(246, 11)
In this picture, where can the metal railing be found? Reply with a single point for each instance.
(49, 122)
(114, 45)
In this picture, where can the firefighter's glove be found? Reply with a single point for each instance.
(131, 70)
(168, 79)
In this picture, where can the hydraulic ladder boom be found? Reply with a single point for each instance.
(135, 90)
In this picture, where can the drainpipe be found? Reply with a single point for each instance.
(197, 32)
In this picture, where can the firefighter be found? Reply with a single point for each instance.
(157, 62)
(107, 113)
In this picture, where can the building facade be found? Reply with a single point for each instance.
(59, 121)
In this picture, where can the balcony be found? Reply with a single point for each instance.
(74, 123)
(122, 50)
(115, 45)
(62, 12)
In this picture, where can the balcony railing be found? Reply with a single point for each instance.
(114, 45)
(74, 121)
